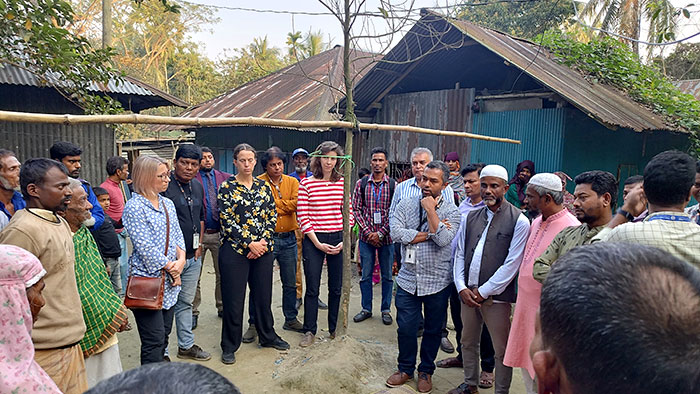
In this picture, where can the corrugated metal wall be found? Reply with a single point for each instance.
(441, 109)
(541, 132)
(30, 140)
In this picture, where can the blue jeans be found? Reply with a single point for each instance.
(386, 259)
(285, 252)
(183, 306)
(408, 317)
(123, 260)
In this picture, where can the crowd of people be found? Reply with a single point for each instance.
(569, 288)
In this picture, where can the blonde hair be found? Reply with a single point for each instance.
(145, 169)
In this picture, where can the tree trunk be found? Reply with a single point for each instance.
(106, 23)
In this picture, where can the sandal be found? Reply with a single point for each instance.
(486, 380)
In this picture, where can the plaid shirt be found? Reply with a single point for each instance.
(376, 199)
(432, 270)
(694, 212)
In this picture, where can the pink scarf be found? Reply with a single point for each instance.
(19, 372)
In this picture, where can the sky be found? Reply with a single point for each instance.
(238, 28)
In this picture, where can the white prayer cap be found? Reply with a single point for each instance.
(546, 180)
(494, 170)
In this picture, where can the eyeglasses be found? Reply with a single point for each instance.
(164, 177)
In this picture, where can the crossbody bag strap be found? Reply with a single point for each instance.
(167, 229)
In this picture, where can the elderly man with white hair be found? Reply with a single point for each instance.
(545, 193)
(491, 243)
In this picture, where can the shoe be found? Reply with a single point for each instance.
(450, 362)
(279, 344)
(425, 382)
(420, 333)
(228, 358)
(220, 313)
(308, 339)
(446, 345)
(250, 334)
(166, 359)
(322, 305)
(298, 303)
(293, 325)
(486, 380)
(386, 318)
(195, 318)
(398, 379)
(464, 389)
(331, 335)
(194, 353)
(362, 316)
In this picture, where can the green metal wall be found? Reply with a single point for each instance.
(588, 145)
(541, 132)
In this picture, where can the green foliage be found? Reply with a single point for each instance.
(247, 64)
(609, 61)
(34, 36)
(683, 63)
(521, 19)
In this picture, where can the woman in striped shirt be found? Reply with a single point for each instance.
(320, 216)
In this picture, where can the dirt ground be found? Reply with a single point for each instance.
(357, 363)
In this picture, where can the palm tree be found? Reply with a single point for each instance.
(625, 17)
(295, 45)
(313, 44)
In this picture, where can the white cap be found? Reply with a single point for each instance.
(546, 180)
(494, 170)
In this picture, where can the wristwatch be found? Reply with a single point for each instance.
(626, 214)
(381, 236)
(431, 235)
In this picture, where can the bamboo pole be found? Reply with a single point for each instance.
(11, 116)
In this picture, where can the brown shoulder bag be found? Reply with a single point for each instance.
(145, 292)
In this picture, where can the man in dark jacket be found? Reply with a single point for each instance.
(108, 242)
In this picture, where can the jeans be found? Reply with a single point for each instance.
(408, 316)
(238, 272)
(285, 252)
(154, 328)
(183, 306)
(209, 242)
(386, 260)
(114, 273)
(123, 260)
(313, 264)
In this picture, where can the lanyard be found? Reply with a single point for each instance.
(377, 197)
(672, 218)
(190, 203)
(420, 212)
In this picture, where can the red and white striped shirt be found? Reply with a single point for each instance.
(320, 206)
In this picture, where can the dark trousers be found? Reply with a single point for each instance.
(313, 264)
(486, 351)
(408, 316)
(154, 328)
(237, 272)
(386, 260)
(285, 252)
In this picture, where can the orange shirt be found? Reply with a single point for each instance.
(285, 194)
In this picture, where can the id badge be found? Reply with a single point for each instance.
(195, 241)
(410, 254)
(377, 218)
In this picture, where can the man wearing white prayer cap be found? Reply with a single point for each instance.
(545, 193)
(491, 243)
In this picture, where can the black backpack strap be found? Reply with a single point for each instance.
(363, 188)
(392, 187)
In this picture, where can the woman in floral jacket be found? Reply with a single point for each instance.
(248, 216)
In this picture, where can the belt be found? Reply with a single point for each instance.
(285, 235)
(210, 231)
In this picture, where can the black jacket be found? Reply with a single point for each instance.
(106, 239)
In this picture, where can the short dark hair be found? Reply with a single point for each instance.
(601, 182)
(115, 163)
(634, 179)
(379, 149)
(99, 191)
(4, 153)
(61, 149)
(34, 171)
(471, 167)
(272, 153)
(188, 151)
(604, 327)
(697, 167)
(362, 172)
(206, 149)
(442, 166)
(668, 178)
(241, 147)
(323, 149)
(170, 378)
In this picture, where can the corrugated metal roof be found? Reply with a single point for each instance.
(297, 92)
(13, 75)
(607, 105)
(690, 86)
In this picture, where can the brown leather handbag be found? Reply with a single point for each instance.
(146, 292)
